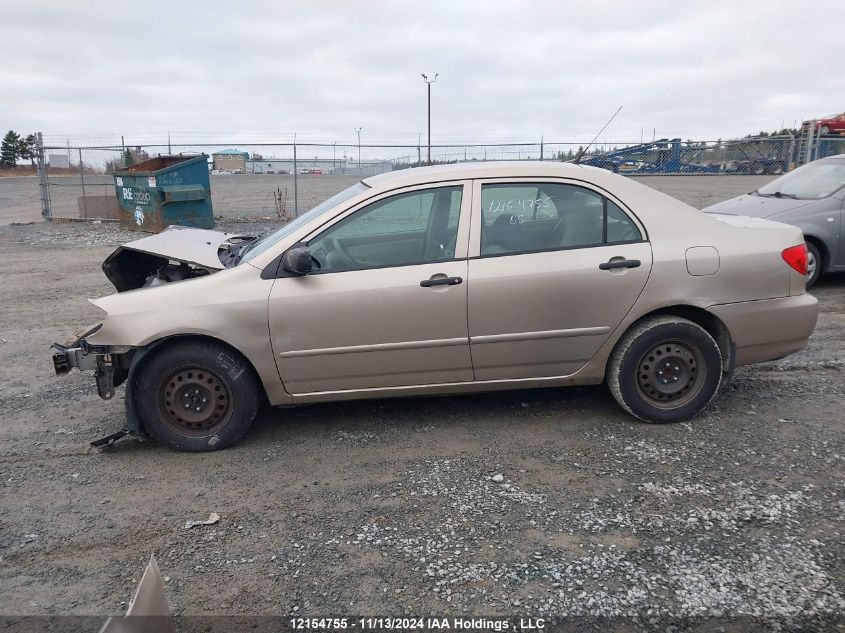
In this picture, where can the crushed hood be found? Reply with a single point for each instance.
(200, 250)
(757, 206)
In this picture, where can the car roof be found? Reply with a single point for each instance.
(485, 169)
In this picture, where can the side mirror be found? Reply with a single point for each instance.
(297, 260)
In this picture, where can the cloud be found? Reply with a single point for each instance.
(508, 69)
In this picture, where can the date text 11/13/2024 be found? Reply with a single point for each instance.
(416, 624)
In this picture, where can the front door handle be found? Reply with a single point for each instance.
(441, 281)
(620, 263)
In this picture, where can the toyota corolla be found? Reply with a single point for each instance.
(448, 279)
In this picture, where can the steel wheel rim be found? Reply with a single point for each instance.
(811, 264)
(193, 401)
(671, 374)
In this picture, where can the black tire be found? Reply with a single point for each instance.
(776, 169)
(681, 378)
(824, 130)
(196, 396)
(814, 264)
(758, 169)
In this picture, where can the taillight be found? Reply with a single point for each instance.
(796, 256)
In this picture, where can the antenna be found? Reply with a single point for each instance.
(583, 151)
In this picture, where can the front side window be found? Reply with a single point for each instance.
(268, 241)
(417, 227)
(530, 217)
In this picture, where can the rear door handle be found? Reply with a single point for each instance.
(620, 263)
(441, 281)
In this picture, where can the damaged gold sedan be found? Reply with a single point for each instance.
(448, 279)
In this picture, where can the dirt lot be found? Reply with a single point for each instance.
(252, 196)
(390, 507)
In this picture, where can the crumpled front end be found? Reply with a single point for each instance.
(176, 254)
(110, 363)
(178, 284)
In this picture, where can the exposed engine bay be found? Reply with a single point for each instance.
(174, 272)
(173, 255)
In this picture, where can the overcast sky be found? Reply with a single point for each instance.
(91, 71)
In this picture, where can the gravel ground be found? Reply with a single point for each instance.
(545, 502)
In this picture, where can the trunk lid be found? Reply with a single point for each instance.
(769, 239)
(749, 222)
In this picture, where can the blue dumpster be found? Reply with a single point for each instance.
(165, 190)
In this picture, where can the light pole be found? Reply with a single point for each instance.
(358, 132)
(428, 83)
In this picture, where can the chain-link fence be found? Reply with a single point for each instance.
(282, 180)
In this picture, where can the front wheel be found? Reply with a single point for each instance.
(665, 369)
(196, 396)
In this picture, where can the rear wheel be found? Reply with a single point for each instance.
(196, 396)
(824, 130)
(776, 169)
(665, 369)
(814, 264)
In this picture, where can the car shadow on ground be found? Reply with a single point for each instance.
(440, 413)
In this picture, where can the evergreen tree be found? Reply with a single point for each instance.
(27, 149)
(10, 149)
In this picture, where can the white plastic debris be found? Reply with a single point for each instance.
(497, 478)
(211, 520)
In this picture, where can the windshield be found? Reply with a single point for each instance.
(261, 245)
(816, 180)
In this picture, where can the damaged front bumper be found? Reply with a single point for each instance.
(110, 364)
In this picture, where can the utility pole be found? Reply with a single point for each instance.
(295, 180)
(428, 83)
(358, 132)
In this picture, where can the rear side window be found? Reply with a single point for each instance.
(527, 217)
(620, 227)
